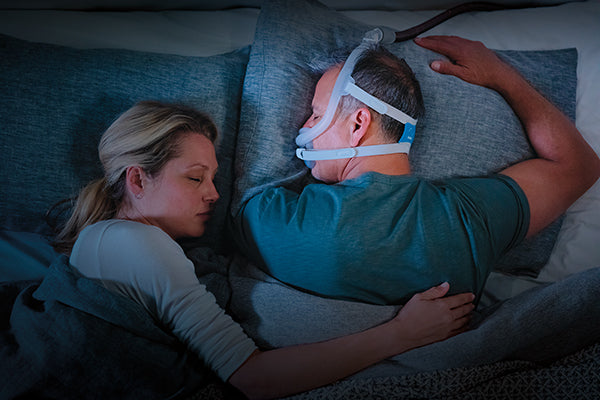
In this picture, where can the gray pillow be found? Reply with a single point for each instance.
(56, 101)
(467, 130)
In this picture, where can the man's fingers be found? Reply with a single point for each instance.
(446, 67)
(439, 44)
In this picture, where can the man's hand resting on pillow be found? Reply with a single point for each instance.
(468, 60)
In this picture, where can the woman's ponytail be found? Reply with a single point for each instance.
(93, 204)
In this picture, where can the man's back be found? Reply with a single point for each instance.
(381, 238)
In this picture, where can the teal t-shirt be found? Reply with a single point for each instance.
(381, 238)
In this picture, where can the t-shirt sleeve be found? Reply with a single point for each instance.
(266, 219)
(152, 269)
(501, 206)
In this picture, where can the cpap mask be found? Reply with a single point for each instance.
(345, 85)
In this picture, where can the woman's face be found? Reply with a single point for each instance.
(180, 199)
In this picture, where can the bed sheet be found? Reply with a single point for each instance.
(204, 33)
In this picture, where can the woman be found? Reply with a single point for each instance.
(159, 162)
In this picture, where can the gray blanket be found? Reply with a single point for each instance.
(546, 338)
(67, 337)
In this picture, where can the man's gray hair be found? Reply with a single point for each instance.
(383, 75)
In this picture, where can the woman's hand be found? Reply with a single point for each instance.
(430, 317)
(469, 60)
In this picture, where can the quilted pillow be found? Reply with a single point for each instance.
(467, 130)
(57, 101)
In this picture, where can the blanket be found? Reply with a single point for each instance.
(574, 377)
(543, 342)
(68, 337)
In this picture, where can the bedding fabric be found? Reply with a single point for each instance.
(467, 130)
(68, 337)
(24, 256)
(573, 377)
(57, 101)
(543, 341)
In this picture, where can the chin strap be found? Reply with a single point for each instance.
(351, 152)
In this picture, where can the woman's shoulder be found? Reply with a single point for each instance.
(131, 236)
(125, 228)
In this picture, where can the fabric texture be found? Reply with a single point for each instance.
(322, 240)
(538, 327)
(143, 263)
(467, 130)
(57, 101)
(576, 376)
(24, 256)
(68, 337)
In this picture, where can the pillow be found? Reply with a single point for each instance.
(57, 101)
(467, 129)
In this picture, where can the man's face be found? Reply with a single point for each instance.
(336, 136)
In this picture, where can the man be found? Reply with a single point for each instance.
(375, 233)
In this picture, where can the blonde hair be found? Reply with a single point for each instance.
(147, 135)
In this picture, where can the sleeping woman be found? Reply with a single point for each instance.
(159, 163)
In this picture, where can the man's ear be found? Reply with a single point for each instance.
(360, 121)
(134, 180)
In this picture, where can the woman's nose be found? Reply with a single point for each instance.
(212, 194)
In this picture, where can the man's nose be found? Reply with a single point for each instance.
(310, 122)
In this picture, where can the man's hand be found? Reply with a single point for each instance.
(470, 61)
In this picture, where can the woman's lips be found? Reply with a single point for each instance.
(206, 214)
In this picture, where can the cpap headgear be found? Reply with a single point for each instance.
(345, 85)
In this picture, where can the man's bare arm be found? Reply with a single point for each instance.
(565, 167)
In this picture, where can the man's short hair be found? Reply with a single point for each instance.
(385, 76)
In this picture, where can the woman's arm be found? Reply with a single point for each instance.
(428, 317)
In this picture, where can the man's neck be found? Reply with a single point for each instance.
(389, 164)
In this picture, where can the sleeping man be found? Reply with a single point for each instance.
(371, 231)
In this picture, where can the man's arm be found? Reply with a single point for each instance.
(565, 167)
